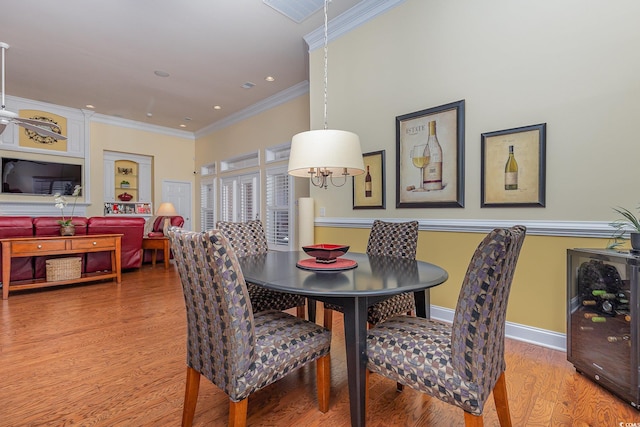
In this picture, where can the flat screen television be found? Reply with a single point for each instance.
(20, 176)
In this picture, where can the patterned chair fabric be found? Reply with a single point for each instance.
(395, 239)
(460, 363)
(249, 238)
(237, 350)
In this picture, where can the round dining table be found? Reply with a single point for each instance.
(356, 283)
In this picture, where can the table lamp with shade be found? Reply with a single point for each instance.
(167, 210)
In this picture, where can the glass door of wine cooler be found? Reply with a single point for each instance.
(602, 322)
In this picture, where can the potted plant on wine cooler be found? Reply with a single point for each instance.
(629, 222)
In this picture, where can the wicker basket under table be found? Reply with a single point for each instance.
(63, 268)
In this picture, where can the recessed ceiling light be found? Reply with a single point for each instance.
(187, 119)
(248, 85)
(161, 73)
(149, 115)
(90, 106)
(217, 107)
(183, 125)
(270, 79)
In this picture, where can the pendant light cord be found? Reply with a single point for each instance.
(3, 49)
(326, 69)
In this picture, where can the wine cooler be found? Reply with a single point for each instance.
(602, 319)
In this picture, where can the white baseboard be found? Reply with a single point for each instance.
(516, 331)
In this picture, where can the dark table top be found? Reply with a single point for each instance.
(373, 276)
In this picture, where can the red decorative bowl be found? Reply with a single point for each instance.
(326, 253)
(125, 197)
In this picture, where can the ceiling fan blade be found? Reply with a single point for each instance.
(35, 122)
(41, 131)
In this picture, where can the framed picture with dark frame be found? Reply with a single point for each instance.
(430, 157)
(369, 187)
(513, 167)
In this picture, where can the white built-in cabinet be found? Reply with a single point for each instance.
(127, 184)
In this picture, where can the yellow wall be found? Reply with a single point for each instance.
(267, 129)
(172, 158)
(538, 295)
(570, 64)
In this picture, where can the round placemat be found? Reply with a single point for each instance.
(339, 265)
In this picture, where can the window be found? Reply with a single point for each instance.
(277, 152)
(278, 222)
(239, 197)
(207, 203)
(208, 169)
(240, 162)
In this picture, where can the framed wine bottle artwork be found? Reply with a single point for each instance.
(430, 157)
(369, 188)
(513, 167)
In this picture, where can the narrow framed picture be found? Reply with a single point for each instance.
(513, 167)
(430, 157)
(369, 188)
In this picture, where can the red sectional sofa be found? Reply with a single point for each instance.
(132, 229)
(18, 226)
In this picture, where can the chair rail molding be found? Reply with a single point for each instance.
(597, 229)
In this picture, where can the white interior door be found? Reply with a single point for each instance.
(179, 193)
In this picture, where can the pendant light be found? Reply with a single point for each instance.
(323, 154)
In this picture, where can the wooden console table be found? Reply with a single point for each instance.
(63, 245)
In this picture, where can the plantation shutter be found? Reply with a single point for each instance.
(277, 226)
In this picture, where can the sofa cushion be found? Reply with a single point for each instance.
(132, 229)
(175, 221)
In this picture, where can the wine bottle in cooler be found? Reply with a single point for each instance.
(433, 171)
(367, 184)
(511, 172)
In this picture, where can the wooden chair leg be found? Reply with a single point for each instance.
(300, 312)
(502, 401)
(471, 420)
(323, 382)
(238, 413)
(190, 397)
(328, 318)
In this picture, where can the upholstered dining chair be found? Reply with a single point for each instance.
(238, 351)
(249, 238)
(393, 239)
(459, 363)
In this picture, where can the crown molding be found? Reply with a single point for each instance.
(132, 124)
(279, 98)
(359, 14)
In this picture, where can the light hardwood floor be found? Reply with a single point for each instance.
(107, 355)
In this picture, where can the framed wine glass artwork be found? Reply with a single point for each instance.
(513, 167)
(430, 157)
(369, 187)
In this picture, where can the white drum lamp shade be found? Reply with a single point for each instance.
(328, 150)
